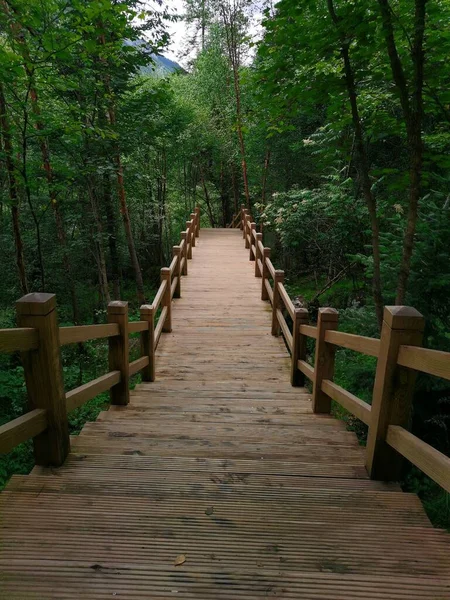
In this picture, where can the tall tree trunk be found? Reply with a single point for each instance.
(412, 107)
(101, 261)
(112, 236)
(363, 166)
(120, 183)
(13, 196)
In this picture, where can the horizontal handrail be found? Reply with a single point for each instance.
(19, 339)
(358, 343)
(137, 365)
(270, 267)
(173, 264)
(261, 247)
(309, 330)
(160, 324)
(173, 287)
(286, 300)
(433, 362)
(285, 329)
(22, 429)
(77, 334)
(269, 290)
(306, 369)
(159, 295)
(349, 401)
(137, 326)
(426, 458)
(87, 391)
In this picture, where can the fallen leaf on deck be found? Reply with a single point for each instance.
(209, 510)
(180, 560)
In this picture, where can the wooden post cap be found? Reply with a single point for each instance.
(176, 250)
(301, 313)
(39, 304)
(165, 272)
(117, 307)
(279, 275)
(403, 317)
(147, 309)
(328, 314)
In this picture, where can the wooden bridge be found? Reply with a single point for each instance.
(220, 477)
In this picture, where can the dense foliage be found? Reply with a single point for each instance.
(334, 128)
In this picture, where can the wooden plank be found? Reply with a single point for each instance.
(426, 458)
(87, 391)
(286, 300)
(22, 429)
(137, 365)
(433, 362)
(349, 401)
(137, 326)
(306, 369)
(358, 343)
(285, 329)
(309, 331)
(19, 339)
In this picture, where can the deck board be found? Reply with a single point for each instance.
(220, 460)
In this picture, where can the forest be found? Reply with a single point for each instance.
(330, 120)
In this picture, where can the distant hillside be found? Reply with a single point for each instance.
(162, 65)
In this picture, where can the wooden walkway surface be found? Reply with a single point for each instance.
(221, 462)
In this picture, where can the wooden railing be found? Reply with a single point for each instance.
(399, 357)
(39, 339)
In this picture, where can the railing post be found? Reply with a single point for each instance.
(243, 220)
(118, 352)
(43, 377)
(278, 278)
(148, 342)
(189, 239)
(193, 229)
(176, 251)
(184, 252)
(167, 300)
(265, 274)
(301, 317)
(393, 389)
(252, 229)
(324, 360)
(247, 230)
(197, 223)
(258, 255)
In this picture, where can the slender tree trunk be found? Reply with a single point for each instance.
(363, 167)
(13, 195)
(112, 236)
(412, 107)
(207, 200)
(102, 273)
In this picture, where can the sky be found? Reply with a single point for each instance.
(178, 30)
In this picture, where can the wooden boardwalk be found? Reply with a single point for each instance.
(220, 462)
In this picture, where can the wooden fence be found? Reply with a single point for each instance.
(399, 356)
(39, 339)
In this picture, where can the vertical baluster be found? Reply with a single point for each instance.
(324, 360)
(278, 278)
(44, 378)
(301, 317)
(393, 389)
(148, 342)
(118, 351)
